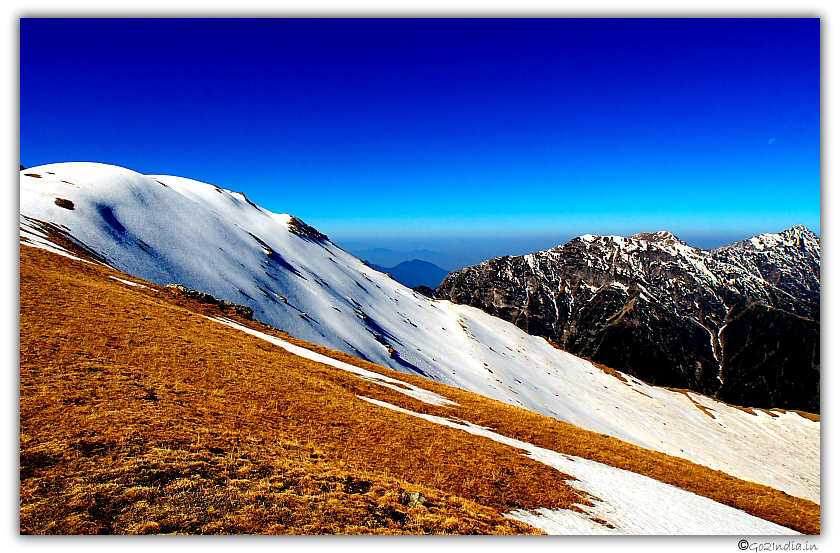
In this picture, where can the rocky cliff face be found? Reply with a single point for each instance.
(740, 322)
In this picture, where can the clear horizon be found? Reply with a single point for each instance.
(459, 252)
(480, 136)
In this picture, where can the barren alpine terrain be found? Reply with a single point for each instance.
(197, 408)
(143, 411)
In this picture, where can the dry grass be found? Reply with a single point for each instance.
(159, 420)
(703, 408)
(515, 422)
(138, 415)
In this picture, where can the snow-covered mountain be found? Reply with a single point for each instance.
(174, 230)
(740, 322)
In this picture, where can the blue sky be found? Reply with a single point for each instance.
(486, 136)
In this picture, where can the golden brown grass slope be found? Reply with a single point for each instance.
(139, 415)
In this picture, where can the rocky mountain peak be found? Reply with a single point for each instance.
(662, 237)
(798, 236)
(666, 312)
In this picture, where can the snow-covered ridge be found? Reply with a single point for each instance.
(174, 230)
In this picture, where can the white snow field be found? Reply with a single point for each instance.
(167, 229)
(631, 503)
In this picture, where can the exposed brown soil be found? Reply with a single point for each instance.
(139, 415)
(759, 500)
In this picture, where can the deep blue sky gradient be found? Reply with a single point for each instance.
(509, 134)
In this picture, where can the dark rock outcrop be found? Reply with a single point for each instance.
(307, 232)
(66, 204)
(241, 310)
(425, 290)
(413, 499)
(740, 322)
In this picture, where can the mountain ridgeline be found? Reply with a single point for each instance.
(414, 273)
(740, 323)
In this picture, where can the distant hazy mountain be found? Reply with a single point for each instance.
(386, 257)
(741, 322)
(414, 273)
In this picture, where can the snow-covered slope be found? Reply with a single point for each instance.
(174, 230)
(628, 503)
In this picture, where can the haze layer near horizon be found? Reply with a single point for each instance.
(383, 131)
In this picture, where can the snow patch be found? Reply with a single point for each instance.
(128, 282)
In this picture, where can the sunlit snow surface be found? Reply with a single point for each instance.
(631, 503)
(174, 230)
(136, 285)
